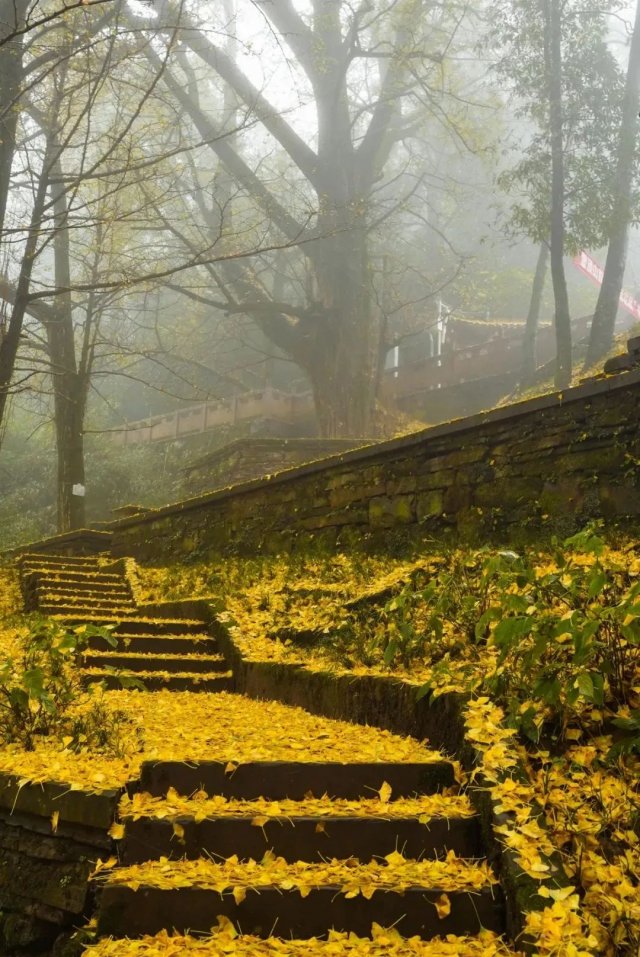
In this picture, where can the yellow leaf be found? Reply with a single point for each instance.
(385, 792)
(320, 828)
(239, 894)
(104, 865)
(260, 820)
(224, 928)
(443, 906)
(55, 817)
(178, 831)
(230, 767)
(116, 831)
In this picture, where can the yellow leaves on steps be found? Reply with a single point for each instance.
(201, 807)
(384, 942)
(185, 726)
(351, 876)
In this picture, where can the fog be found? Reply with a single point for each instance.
(284, 218)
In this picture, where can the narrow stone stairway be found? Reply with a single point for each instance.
(297, 851)
(163, 653)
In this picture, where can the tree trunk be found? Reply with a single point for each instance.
(10, 342)
(68, 389)
(529, 358)
(553, 58)
(10, 83)
(604, 317)
(334, 335)
(343, 362)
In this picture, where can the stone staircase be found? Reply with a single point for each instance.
(287, 853)
(176, 654)
(385, 847)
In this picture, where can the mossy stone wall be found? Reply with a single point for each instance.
(550, 463)
(50, 840)
(252, 458)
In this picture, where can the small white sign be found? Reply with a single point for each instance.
(78, 490)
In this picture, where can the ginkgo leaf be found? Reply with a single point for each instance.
(385, 793)
(178, 832)
(239, 894)
(443, 906)
(116, 831)
(55, 817)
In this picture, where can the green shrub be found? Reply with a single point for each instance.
(561, 634)
(40, 689)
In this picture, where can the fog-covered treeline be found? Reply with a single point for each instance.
(197, 199)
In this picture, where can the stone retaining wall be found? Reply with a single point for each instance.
(252, 458)
(547, 464)
(50, 840)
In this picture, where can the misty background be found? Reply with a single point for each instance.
(296, 219)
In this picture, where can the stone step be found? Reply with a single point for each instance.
(97, 612)
(622, 363)
(633, 346)
(312, 830)
(128, 624)
(160, 680)
(135, 661)
(50, 560)
(426, 899)
(384, 943)
(73, 577)
(90, 586)
(276, 780)
(158, 644)
(48, 596)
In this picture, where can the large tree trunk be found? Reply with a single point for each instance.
(553, 57)
(604, 317)
(342, 364)
(68, 389)
(529, 357)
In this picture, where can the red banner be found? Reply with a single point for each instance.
(594, 271)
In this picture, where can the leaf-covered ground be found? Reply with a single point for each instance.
(546, 642)
(185, 726)
(550, 641)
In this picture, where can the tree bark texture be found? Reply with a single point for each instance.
(12, 16)
(529, 356)
(10, 342)
(553, 58)
(68, 385)
(604, 318)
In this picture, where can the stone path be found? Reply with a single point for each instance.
(286, 849)
(176, 654)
